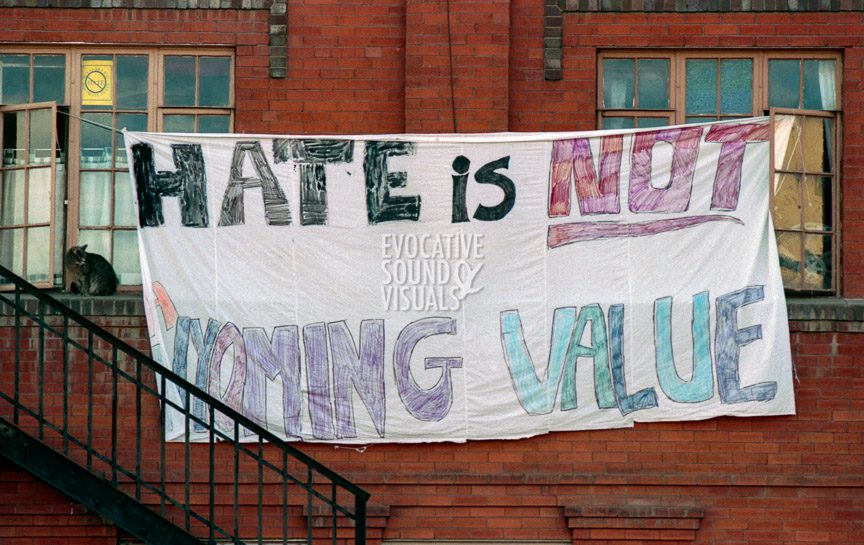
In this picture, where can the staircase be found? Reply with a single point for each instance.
(84, 412)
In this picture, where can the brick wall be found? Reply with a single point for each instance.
(794, 479)
(32, 512)
(384, 66)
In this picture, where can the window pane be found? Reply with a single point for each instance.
(131, 122)
(736, 86)
(38, 252)
(49, 78)
(828, 155)
(39, 196)
(179, 123)
(814, 138)
(618, 123)
(126, 261)
(13, 138)
(95, 206)
(701, 86)
(787, 201)
(12, 198)
(41, 133)
(12, 250)
(179, 78)
(818, 136)
(15, 78)
(214, 123)
(817, 262)
(215, 81)
(96, 141)
(132, 82)
(652, 122)
(784, 83)
(819, 85)
(817, 203)
(653, 83)
(97, 241)
(124, 211)
(618, 80)
(789, 248)
(787, 143)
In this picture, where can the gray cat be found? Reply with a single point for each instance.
(89, 274)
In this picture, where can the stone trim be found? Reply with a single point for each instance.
(639, 524)
(805, 314)
(278, 20)
(556, 9)
(827, 314)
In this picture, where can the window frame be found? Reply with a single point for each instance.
(759, 107)
(834, 232)
(72, 103)
(27, 167)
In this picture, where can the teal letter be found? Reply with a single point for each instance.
(727, 343)
(700, 387)
(538, 396)
(599, 351)
(645, 398)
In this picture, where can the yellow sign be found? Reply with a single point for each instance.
(97, 83)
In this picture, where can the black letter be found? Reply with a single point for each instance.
(276, 208)
(380, 206)
(312, 155)
(461, 165)
(189, 182)
(487, 175)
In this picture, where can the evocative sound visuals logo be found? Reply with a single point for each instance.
(97, 83)
(429, 272)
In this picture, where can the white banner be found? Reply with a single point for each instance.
(407, 288)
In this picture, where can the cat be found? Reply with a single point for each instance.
(89, 274)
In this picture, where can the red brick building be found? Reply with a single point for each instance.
(393, 66)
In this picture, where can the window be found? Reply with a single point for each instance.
(79, 160)
(801, 92)
(196, 94)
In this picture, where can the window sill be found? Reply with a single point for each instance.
(805, 314)
(825, 314)
(119, 304)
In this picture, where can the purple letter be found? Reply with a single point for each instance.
(229, 335)
(574, 157)
(433, 404)
(318, 380)
(271, 359)
(364, 370)
(675, 197)
(727, 181)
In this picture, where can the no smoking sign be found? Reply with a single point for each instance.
(97, 83)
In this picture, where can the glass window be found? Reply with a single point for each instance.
(15, 77)
(726, 86)
(112, 91)
(197, 94)
(804, 199)
(27, 189)
(179, 81)
(214, 81)
(105, 206)
(636, 83)
(49, 78)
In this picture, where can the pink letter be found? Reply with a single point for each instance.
(727, 182)
(676, 196)
(574, 157)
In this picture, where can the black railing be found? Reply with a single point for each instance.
(103, 404)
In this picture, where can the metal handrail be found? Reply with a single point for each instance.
(154, 478)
